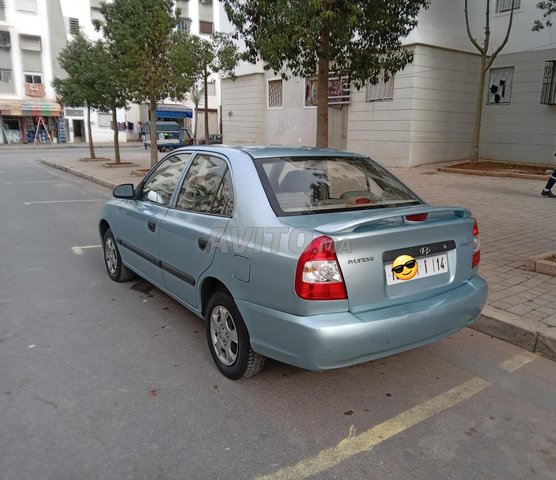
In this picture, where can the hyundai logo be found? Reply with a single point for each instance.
(424, 250)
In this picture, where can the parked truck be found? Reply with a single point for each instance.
(169, 135)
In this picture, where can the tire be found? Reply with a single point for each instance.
(117, 271)
(228, 339)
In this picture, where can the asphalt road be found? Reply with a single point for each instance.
(114, 381)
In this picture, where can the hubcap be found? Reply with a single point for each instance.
(111, 255)
(224, 335)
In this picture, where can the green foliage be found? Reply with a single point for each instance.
(548, 7)
(87, 66)
(360, 38)
(142, 37)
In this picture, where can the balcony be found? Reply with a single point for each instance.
(34, 89)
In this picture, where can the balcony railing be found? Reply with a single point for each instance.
(34, 89)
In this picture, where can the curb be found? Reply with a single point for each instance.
(517, 330)
(86, 176)
(483, 173)
(494, 322)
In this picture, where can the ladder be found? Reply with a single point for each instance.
(40, 121)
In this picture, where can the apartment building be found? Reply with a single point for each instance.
(32, 34)
(425, 113)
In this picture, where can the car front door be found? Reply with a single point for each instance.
(138, 227)
(203, 206)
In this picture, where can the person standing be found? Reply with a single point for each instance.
(547, 190)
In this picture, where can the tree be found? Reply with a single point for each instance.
(486, 62)
(83, 85)
(196, 96)
(142, 36)
(219, 55)
(357, 38)
(549, 8)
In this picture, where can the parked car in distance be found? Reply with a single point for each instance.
(169, 136)
(214, 139)
(316, 258)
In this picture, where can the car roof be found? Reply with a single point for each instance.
(261, 151)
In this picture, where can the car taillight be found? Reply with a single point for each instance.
(318, 275)
(476, 246)
(416, 217)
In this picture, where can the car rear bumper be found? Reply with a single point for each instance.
(327, 341)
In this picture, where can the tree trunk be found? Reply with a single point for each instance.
(206, 107)
(154, 142)
(322, 91)
(475, 140)
(196, 118)
(91, 145)
(117, 159)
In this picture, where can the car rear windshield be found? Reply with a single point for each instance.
(307, 185)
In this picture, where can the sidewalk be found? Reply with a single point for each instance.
(515, 223)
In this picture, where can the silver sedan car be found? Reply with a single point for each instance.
(316, 258)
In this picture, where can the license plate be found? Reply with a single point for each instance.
(426, 267)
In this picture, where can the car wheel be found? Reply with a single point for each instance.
(228, 339)
(117, 271)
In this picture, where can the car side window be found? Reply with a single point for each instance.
(161, 183)
(207, 187)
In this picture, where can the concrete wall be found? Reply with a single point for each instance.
(523, 130)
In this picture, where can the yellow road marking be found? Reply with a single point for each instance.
(366, 441)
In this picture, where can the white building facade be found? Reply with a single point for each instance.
(32, 34)
(424, 114)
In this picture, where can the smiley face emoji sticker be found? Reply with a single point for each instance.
(404, 267)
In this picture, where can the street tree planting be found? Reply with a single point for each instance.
(358, 38)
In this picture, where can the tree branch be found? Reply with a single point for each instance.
(469, 34)
(503, 44)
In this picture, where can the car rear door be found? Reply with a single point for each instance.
(203, 206)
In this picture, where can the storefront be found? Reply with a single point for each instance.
(30, 121)
(175, 113)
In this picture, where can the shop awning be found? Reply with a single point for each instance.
(25, 108)
(173, 111)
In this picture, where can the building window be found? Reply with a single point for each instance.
(383, 91)
(6, 75)
(27, 6)
(5, 39)
(104, 120)
(548, 93)
(338, 90)
(2, 3)
(74, 26)
(275, 94)
(32, 78)
(28, 42)
(500, 85)
(506, 5)
(185, 24)
(205, 27)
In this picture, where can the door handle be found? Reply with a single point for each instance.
(152, 225)
(204, 244)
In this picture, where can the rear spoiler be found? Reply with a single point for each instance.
(349, 225)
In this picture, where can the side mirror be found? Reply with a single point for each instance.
(125, 190)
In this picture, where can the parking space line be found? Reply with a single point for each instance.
(366, 441)
(66, 201)
(517, 361)
(79, 250)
